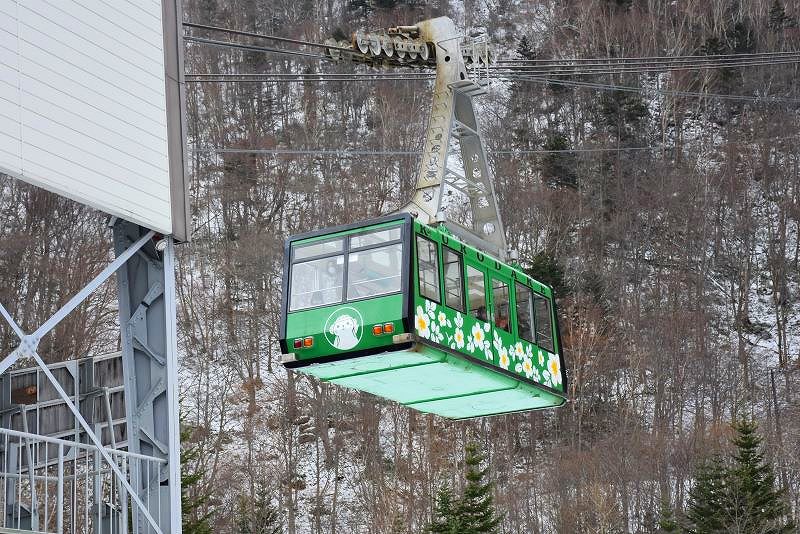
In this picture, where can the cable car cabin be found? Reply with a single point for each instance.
(407, 312)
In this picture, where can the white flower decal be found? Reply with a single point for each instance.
(458, 338)
(554, 368)
(430, 307)
(527, 367)
(497, 341)
(504, 360)
(478, 335)
(422, 323)
(464, 333)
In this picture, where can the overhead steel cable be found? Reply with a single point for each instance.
(253, 48)
(625, 88)
(653, 58)
(581, 71)
(640, 64)
(504, 151)
(357, 152)
(306, 77)
(267, 37)
(314, 74)
(303, 80)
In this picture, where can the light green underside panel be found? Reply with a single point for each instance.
(434, 382)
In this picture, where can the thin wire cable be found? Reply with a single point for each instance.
(314, 74)
(253, 48)
(548, 72)
(612, 87)
(394, 152)
(645, 64)
(263, 36)
(654, 58)
(510, 60)
(577, 71)
(567, 71)
(309, 152)
(509, 79)
(284, 80)
(501, 78)
(346, 152)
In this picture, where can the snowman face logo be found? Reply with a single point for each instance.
(343, 328)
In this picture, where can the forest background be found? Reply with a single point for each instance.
(669, 230)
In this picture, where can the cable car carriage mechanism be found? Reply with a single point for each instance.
(414, 307)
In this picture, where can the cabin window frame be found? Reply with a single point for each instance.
(494, 278)
(531, 334)
(339, 254)
(345, 254)
(462, 278)
(548, 300)
(437, 268)
(486, 304)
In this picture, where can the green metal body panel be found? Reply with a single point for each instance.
(449, 363)
(481, 340)
(317, 323)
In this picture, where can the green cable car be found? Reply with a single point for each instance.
(416, 307)
(408, 312)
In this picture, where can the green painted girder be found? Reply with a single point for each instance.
(434, 381)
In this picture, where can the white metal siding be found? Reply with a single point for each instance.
(83, 103)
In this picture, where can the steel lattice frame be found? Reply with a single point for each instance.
(146, 287)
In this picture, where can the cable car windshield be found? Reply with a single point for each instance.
(374, 265)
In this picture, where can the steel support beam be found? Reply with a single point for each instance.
(453, 116)
(146, 287)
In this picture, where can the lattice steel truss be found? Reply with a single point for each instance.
(41, 475)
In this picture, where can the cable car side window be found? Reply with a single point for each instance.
(318, 248)
(316, 282)
(476, 291)
(373, 272)
(453, 279)
(524, 313)
(428, 265)
(544, 324)
(502, 304)
(376, 238)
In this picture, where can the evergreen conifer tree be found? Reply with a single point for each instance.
(755, 504)
(475, 512)
(444, 512)
(193, 522)
(258, 516)
(398, 525)
(740, 496)
(706, 498)
(667, 524)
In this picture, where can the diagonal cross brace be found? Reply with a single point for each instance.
(29, 344)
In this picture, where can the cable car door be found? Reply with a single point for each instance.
(503, 340)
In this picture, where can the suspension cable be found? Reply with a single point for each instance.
(263, 36)
(625, 88)
(252, 48)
